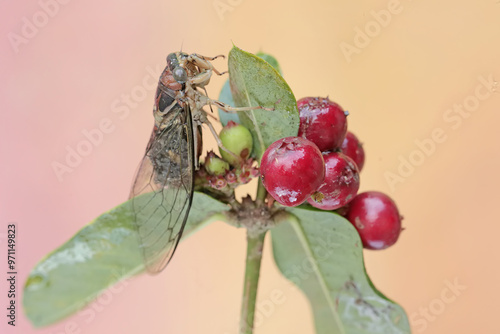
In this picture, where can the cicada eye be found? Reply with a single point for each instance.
(172, 61)
(179, 74)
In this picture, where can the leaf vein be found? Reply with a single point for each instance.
(307, 248)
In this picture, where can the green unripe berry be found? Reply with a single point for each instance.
(215, 165)
(237, 139)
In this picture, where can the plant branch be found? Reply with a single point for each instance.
(252, 272)
(261, 192)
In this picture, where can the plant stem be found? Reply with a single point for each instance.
(252, 271)
(261, 192)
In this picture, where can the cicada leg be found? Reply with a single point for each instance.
(203, 78)
(201, 118)
(207, 58)
(219, 142)
(229, 109)
(204, 62)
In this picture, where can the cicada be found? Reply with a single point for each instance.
(171, 158)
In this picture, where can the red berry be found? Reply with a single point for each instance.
(341, 182)
(354, 149)
(323, 122)
(376, 218)
(292, 168)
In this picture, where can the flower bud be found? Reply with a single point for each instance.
(215, 165)
(237, 139)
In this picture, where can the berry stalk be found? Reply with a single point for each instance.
(255, 244)
(261, 193)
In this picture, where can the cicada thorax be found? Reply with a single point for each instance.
(175, 95)
(170, 154)
(168, 97)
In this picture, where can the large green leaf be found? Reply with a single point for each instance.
(98, 256)
(322, 254)
(226, 96)
(255, 83)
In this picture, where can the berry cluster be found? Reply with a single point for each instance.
(321, 166)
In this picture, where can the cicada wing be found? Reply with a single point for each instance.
(163, 190)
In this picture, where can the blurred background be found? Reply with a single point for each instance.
(419, 79)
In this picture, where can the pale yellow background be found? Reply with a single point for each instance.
(397, 89)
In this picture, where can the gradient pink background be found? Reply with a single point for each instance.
(397, 89)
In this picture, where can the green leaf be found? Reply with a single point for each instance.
(256, 83)
(99, 255)
(271, 60)
(226, 96)
(322, 254)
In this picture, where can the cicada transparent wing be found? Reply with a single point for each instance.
(163, 189)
